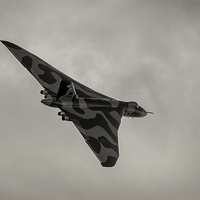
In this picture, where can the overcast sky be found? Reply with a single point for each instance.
(145, 51)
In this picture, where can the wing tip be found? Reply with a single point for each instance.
(4, 42)
(110, 162)
(10, 45)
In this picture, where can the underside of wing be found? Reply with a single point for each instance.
(49, 77)
(99, 127)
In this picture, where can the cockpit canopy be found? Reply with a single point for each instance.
(131, 108)
(134, 110)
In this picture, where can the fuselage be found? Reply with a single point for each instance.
(130, 109)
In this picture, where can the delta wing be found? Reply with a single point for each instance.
(99, 126)
(48, 76)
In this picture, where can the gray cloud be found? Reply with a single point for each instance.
(145, 51)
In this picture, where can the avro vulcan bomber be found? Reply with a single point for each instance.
(96, 116)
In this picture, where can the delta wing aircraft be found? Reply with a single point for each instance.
(96, 116)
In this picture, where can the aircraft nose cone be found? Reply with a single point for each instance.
(143, 112)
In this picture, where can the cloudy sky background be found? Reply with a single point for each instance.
(146, 51)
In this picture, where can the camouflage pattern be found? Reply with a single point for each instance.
(96, 116)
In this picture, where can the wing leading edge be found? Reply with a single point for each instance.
(48, 76)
